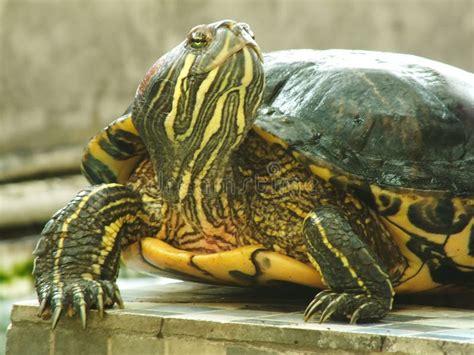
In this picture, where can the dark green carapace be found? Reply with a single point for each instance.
(348, 171)
(393, 119)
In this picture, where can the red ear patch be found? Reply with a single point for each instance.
(146, 80)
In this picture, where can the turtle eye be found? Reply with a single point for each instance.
(198, 40)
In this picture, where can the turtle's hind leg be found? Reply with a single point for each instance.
(77, 256)
(359, 288)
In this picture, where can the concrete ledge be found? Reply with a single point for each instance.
(21, 165)
(216, 324)
(29, 202)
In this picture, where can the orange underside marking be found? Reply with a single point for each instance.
(259, 266)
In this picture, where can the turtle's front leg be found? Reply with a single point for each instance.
(359, 288)
(77, 256)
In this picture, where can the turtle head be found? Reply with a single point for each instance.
(196, 104)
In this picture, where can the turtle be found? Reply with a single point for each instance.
(347, 171)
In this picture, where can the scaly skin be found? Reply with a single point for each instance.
(359, 285)
(77, 257)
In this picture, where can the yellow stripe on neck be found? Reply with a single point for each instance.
(169, 121)
(201, 95)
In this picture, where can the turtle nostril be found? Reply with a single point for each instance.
(245, 27)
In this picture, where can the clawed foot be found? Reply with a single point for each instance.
(77, 297)
(343, 306)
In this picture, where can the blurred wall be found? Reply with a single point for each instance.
(70, 67)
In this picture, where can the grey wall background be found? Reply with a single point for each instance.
(67, 68)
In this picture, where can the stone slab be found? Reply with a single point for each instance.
(258, 324)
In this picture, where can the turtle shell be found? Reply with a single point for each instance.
(388, 119)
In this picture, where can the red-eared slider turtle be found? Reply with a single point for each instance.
(354, 176)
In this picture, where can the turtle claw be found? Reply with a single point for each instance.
(56, 315)
(357, 313)
(315, 304)
(42, 307)
(355, 316)
(80, 304)
(100, 303)
(328, 312)
(311, 309)
(83, 313)
(347, 306)
(331, 308)
(118, 299)
(78, 297)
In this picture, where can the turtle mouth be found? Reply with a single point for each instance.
(256, 49)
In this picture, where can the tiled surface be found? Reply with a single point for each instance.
(218, 319)
(286, 310)
(434, 323)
